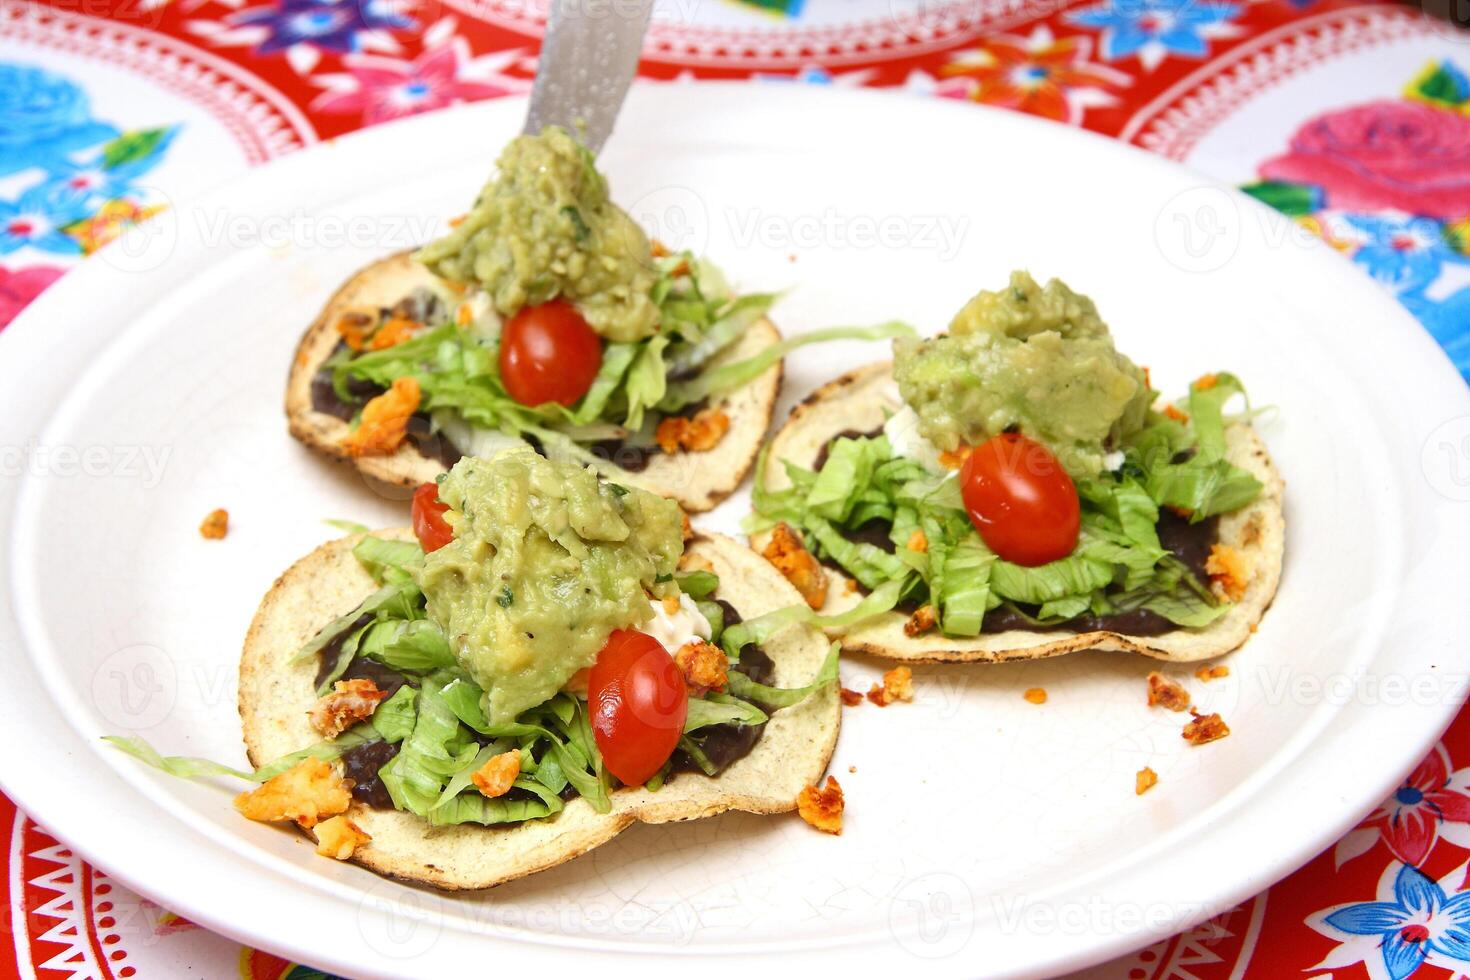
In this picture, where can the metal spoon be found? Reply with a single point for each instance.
(589, 56)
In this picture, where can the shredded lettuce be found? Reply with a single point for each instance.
(716, 709)
(394, 718)
(387, 560)
(192, 767)
(784, 697)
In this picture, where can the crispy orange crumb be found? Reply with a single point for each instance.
(800, 567)
(1204, 728)
(1208, 673)
(354, 327)
(954, 460)
(822, 808)
(1144, 781)
(384, 422)
(670, 604)
(463, 314)
(1229, 570)
(849, 585)
(658, 249)
(852, 768)
(1206, 381)
(1036, 695)
(216, 524)
(922, 621)
(917, 541)
(348, 703)
(701, 433)
(306, 793)
(497, 775)
(898, 685)
(1165, 693)
(457, 220)
(850, 697)
(1173, 412)
(394, 332)
(686, 530)
(337, 837)
(704, 667)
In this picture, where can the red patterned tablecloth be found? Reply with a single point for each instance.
(1353, 118)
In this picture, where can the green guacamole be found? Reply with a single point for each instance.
(546, 562)
(544, 227)
(1037, 358)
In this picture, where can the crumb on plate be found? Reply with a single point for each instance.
(1165, 693)
(822, 808)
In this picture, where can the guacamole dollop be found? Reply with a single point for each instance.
(545, 563)
(1038, 359)
(544, 227)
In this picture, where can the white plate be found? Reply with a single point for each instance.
(983, 834)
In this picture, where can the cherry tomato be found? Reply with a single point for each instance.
(1021, 500)
(637, 700)
(549, 354)
(429, 525)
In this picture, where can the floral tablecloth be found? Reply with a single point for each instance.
(1353, 118)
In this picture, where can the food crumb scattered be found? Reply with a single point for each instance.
(1165, 693)
(917, 541)
(1208, 673)
(1144, 781)
(954, 460)
(852, 768)
(1206, 381)
(1173, 412)
(307, 792)
(922, 621)
(701, 433)
(384, 422)
(703, 666)
(346, 704)
(216, 524)
(498, 773)
(898, 685)
(822, 808)
(1229, 570)
(1205, 728)
(851, 698)
(786, 551)
(850, 585)
(1036, 695)
(337, 837)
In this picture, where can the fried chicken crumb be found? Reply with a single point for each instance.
(354, 327)
(922, 621)
(1207, 673)
(498, 773)
(822, 808)
(216, 524)
(849, 585)
(1036, 695)
(1173, 412)
(1204, 728)
(337, 837)
(1229, 570)
(852, 768)
(954, 460)
(917, 541)
(1206, 381)
(394, 332)
(701, 433)
(348, 703)
(800, 567)
(1165, 693)
(898, 685)
(1144, 781)
(384, 422)
(704, 667)
(850, 697)
(307, 792)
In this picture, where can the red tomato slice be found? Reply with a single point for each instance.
(429, 525)
(1021, 500)
(636, 697)
(548, 353)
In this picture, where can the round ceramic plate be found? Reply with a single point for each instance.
(983, 834)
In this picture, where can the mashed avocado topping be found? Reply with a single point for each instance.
(544, 227)
(1035, 358)
(546, 562)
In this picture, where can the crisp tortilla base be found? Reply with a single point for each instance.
(858, 401)
(697, 480)
(275, 694)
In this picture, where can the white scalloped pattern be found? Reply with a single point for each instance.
(264, 122)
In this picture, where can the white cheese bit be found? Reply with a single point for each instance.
(902, 430)
(1113, 461)
(673, 630)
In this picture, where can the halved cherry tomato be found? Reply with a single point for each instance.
(636, 697)
(1021, 500)
(429, 525)
(549, 354)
